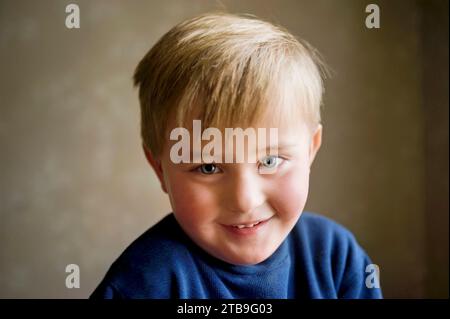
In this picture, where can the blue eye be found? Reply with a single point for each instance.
(270, 161)
(208, 169)
(269, 164)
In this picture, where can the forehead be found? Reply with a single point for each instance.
(276, 131)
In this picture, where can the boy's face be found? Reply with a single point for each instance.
(214, 203)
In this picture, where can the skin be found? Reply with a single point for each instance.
(206, 205)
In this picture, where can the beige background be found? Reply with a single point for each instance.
(75, 186)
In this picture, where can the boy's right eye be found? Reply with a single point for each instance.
(208, 169)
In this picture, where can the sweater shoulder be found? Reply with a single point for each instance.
(320, 234)
(160, 243)
(146, 266)
(332, 253)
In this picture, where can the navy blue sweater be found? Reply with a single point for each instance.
(318, 259)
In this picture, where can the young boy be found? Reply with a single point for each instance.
(237, 228)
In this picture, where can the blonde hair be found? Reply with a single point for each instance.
(226, 70)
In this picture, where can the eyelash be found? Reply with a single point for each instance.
(198, 169)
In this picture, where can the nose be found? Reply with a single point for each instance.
(245, 193)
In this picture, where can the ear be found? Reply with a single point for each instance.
(156, 165)
(316, 142)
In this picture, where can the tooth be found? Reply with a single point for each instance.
(246, 226)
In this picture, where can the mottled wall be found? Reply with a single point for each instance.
(435, 101)
(75, 186)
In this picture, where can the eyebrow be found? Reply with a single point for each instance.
(279, 148)
(282, 146)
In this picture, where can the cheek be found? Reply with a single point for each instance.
(192, 203)
(291, 191)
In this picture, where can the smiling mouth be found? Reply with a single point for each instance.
(248, 225)
(243, 230)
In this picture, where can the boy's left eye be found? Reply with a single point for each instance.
(270, 161)
(269, 164)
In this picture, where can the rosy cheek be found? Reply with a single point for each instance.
(191, 202)
(290, 193)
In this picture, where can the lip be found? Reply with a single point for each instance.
(246, 231)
